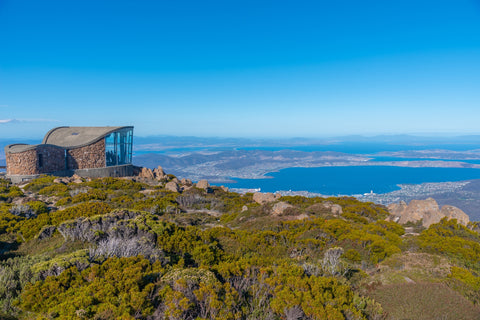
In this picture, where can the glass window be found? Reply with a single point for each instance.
(118, 147)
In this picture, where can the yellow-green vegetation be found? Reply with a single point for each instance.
(119, 249)
(118, 288)
(454, 240)
(39, 183)
(9, 191)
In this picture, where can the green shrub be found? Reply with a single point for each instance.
(39, 183)
(87, 209)
(15, 274)
(58, 189)
(93, 194)
(118, 288)
(38, 207)
(64, 201)
(454, 240)
(466, 277)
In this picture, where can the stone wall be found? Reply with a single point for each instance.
(22, 162)
(27, 162)
(50, 159)
(91, 156)
(53, 158)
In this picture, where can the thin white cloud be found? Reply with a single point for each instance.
(38, 120)
(4, 121)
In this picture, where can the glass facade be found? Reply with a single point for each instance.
(118, 147)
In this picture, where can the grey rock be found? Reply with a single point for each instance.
(172, 186)
(203, 184)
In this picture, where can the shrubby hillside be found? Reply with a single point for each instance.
(124, 249)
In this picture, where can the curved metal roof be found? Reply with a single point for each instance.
(68, 137)
(74, 137)
(21, 147)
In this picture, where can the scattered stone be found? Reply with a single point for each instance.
(425, 210)
(66, 180)
(76, 179)
(244, 208)
(280, 207)
(225, 189)
(203, 184)
(263, 198)
(172, 186)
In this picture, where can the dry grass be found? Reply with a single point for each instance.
(409, 286)
(424, 301)
(35, 246)
(419, 267)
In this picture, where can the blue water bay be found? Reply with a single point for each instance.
(353, 180)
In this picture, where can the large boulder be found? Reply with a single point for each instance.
(203, 184)
(426, 210)
(280, 207)
(172, 186)
(263, 198)
(452, 212)
(327, 207)
(334, 208)
(397, 209)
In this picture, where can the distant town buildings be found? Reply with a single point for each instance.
(64, 151)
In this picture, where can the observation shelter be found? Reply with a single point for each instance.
(65, 151)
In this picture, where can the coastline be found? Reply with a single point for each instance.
(422, 190)
(263, 172)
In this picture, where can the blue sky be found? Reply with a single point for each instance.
(241, 68)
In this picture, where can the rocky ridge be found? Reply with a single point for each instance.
(427, 211)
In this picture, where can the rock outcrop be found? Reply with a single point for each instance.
(334, 208)
(426, 210)
(203, 184)
(172, 186)
(326, 207)
(159, 173)
(146, 173)
(280, 207)
(263, 198)
(452, 212)
(186, 182)
(150, 174)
